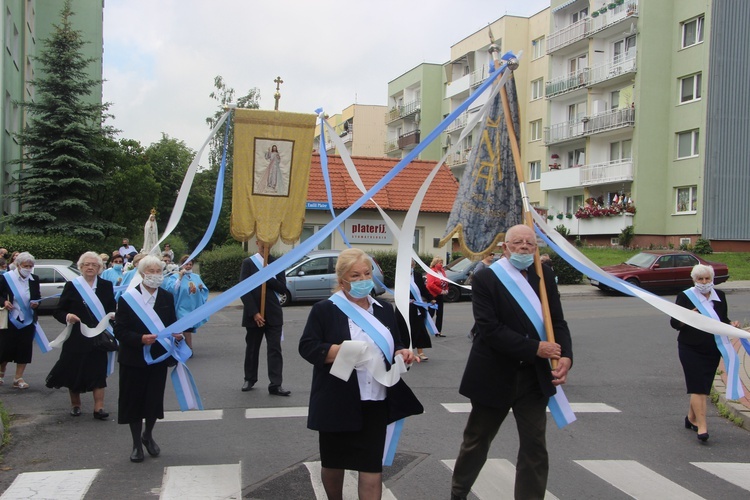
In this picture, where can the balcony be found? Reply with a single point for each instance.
(348, 136)
(597, 225)
(611, 120)
(619, 68)
(567, 83)
(458, 123)
(408, 140)
(478, 76)
(458, 86)
(607, 172)
(565, 131)
(560, 179)
(458, 158)
(403, 111)
(613, 16)
(390, 146)
(567, 35)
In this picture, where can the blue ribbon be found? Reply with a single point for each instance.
(326, 177)
(356, 316)
(390, 452)
(28, 313)
(181, 389)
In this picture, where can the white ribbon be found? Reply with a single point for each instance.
(358, 354)
(85, 330)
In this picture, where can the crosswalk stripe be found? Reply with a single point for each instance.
(732, 472)
(60, 485)
(222, 481)
(193, 415)
(577, 408)
(350, 484)
(496, 480)
(280, 412)
(636, 480)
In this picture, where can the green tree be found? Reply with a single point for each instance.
(224, 95)
(64, 137)
(169, 159)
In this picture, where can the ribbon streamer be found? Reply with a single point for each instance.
(355, 354)
(86, 331)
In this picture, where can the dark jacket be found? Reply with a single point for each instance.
(6, 293)
(129, 329)
(505, 337)
(698, 338)
(334, 404)
(71, 302)
(273, 313)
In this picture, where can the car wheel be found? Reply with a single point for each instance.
(285, 299)
(454, 294)
(633, 281)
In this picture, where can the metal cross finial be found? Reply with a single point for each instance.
(278, 81)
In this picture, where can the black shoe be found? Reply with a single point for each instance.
(247, 386)
(456, 497)
(99, 415)
(278, 391)
(151, 447)
(137, 455)
(75, 411)
(690, 425)
(703, 437)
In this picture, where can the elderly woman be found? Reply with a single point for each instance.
(142, 384)
(352, 415)
(19, 289)
(698, 351)
(82, 367)
(189, 293)
(438, 288)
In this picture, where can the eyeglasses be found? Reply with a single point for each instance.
(90, 264)
(518, 243)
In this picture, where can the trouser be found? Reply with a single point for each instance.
(532, 465)
(253, 339)
(440, 307)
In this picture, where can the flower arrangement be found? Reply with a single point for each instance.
(568, 215)
(595, 207)
(560, 215)
(550, 217)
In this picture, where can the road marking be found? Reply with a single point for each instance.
(735, 473)
(60, 485)
(350, 484)
(636, 480)
(496, 480)
(193, 415)
(280, 412)
(221, 481)
(577, 408)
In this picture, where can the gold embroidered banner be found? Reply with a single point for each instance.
(272, 152)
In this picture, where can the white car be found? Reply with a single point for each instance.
(53, 274)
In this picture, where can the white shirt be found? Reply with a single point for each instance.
(23, 287)
(369, 388)
(149, 299)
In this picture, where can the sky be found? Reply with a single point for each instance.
(161, 56)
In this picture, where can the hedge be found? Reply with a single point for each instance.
(566, 274)
(220, 268)
(387, 262)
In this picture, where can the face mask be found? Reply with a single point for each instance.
(521, 261)
(704, 287)
(153, 280)
(361, 289)
(117, 267)
(25, 273)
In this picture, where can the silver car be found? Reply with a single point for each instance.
(53, 274)
(314, 277)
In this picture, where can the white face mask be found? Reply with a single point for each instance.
(704, 288)
(153, 280)
(25, 273)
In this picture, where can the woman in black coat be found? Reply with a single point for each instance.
(82, 367)
(351, 416)
(17, 342)
(141, 384)
(698, 352)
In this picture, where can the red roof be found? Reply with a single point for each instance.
(396, 195)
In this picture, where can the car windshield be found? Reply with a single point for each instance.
(73, 268)
(460, 265)
(642, 260)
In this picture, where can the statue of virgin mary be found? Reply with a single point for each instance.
(151, 236)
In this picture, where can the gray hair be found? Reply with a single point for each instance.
(24, 257)
(702, 270)
(90, 255)
(148, 261)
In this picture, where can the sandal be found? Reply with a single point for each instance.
(20, 383)
(423, 357)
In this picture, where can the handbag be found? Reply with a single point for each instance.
(105, 342)
(3, 318)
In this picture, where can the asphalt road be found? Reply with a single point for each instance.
(625, 359)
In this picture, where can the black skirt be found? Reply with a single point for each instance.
(360, 450)
(699, 365)
(141, 393)
(81, 368)
(17, 345)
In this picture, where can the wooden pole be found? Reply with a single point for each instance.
(263, 286)
(543, 298)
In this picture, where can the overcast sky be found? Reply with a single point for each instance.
(161, 56)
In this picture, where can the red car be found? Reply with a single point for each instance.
(662, 270)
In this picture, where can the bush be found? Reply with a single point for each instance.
(626, 236)
(220, 268)
(564, 231)
(52, 246)
(566, 274)
(703, 247)
(387, 262)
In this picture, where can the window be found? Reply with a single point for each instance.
(535, 170)
(687, 144)
(623, 50)
(314, 267)
(692, 31)
(309, 230)
(537, 89)
(535, 130)
(620, 150)
(686, 200)
(579, 15)
(573, 203)
(537, 48)
(614, 100)
(690, 88)
(576, 158)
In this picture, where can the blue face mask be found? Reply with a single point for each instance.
(117, 267)
(521, 261)
(361, 289)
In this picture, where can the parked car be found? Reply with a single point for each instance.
(53, 274)
(460, 271)
(314, 277)
(657, 270)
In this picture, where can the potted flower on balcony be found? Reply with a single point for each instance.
(568, 215)
(595, 13)
(619, 2)
(603, 10)
(611, 5)
(560, 215)
(555, 165)
(550, 217)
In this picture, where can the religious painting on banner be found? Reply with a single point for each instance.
(272, 153)
(489, 198)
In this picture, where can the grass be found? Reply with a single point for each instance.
(738, 262)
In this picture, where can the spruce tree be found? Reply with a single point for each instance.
(63, 143)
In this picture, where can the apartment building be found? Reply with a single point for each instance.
(367, 120)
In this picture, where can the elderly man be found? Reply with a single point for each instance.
(508, 367)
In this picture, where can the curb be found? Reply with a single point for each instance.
(735, 408)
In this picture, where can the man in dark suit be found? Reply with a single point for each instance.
(508, 368)
(269, 322)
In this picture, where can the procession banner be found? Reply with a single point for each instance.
(272, 153)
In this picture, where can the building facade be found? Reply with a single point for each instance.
(367, 120)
